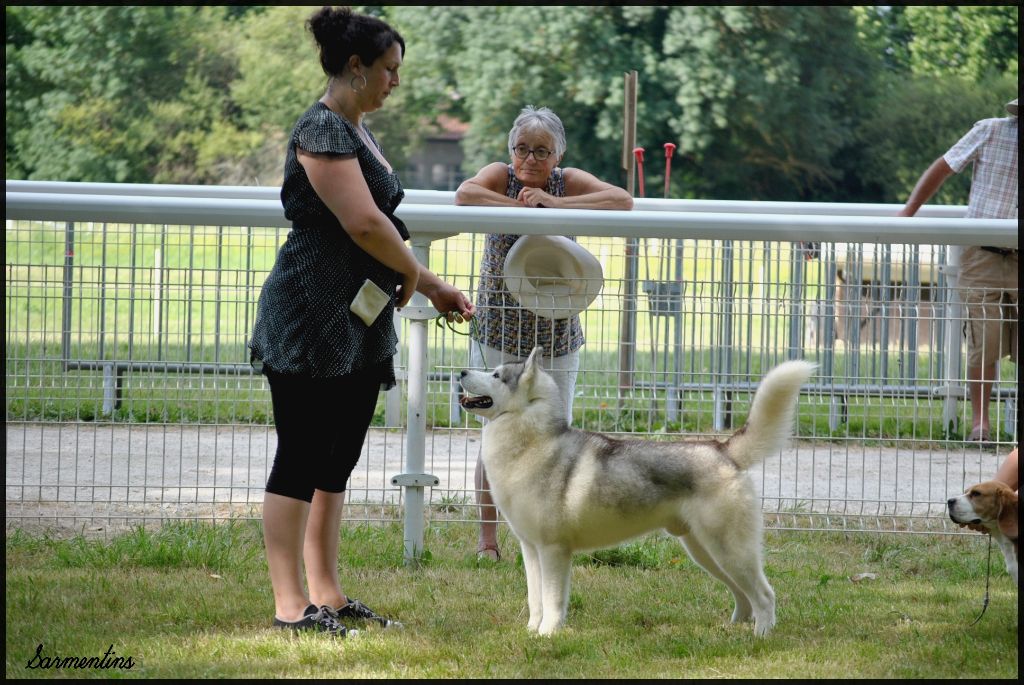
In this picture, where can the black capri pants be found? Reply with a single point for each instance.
(321, 426)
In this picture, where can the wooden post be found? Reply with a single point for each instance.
(627, 317)
(629, 129)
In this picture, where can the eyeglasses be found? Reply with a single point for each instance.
(539, 154)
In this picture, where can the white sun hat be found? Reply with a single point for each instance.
(552, 276)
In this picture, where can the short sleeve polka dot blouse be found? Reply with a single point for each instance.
(303, 322)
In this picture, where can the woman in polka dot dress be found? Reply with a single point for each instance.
(325, 342)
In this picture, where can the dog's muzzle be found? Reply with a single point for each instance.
(469, 401)
(951, 509)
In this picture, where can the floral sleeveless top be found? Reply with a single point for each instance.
(502, 323)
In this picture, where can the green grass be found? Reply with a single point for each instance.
(193, 601)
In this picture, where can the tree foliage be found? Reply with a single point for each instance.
(764, 102)
(944, 69)
(492, 61)
(85, 78)
(972, 41)
(967, 41)
(765, 98)
(916, 121)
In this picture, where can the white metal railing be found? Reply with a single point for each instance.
(431, 221)
(442, 197)
(431, 215)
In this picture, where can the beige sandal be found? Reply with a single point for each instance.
(490, 552)
(979, 434)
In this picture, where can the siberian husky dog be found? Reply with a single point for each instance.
(564, 490)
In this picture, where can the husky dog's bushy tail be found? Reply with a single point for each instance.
(770, 423)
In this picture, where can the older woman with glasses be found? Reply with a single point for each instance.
(506, 331)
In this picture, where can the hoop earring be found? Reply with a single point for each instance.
(352, 83)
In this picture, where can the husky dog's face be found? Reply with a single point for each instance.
(506, 388)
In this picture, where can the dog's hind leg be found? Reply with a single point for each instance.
(555, 567)
(531, 563)
(730, 532)
(742, 611)
(739, 557)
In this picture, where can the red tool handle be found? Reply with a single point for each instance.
(669, 149)
(638, 152)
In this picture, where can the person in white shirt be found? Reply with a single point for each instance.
(988, 275)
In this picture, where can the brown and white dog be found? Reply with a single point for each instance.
(994, 506)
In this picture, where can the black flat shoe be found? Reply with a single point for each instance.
(358, 611)
(320, 620)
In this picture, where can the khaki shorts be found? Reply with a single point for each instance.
(988, 289)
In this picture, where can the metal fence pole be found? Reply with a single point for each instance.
(158, 293)
(132, 275)
(414, 480)
(674, 403)
(913, 299)
(217, 297)
(829, 335)
(69, 277)
(102, 289)
(885, 287)
(722, 364)
(796, 304)
(952, 371)
(191, 276)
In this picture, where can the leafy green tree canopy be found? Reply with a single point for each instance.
(841, 103)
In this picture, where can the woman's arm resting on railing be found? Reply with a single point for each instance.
(583, 190)
(487, 188)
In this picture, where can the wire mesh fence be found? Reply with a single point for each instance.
(129, 396)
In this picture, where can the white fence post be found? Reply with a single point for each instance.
(414, 480)
(952, 390)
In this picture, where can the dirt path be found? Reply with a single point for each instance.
(160, 471)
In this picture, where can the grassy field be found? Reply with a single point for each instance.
(193, 601)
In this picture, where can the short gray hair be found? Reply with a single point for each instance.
(538, 119)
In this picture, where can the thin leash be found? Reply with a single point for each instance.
(988, 575)
(474, 332)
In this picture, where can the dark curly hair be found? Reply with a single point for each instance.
(341, 33)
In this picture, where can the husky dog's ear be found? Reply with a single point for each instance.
(532, 362)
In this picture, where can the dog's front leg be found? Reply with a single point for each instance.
(1010, 556)
(555, 566)
(531, 562)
